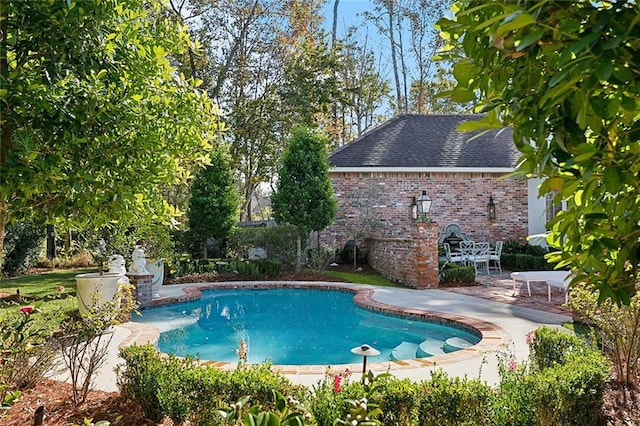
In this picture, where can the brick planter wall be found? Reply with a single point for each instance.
(143, 288)
(409, 261)
(375, 206)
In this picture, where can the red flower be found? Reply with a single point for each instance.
(26, 309)
(530, 337)
(60, 289)
(336, 383)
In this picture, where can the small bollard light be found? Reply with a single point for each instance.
(364, 351)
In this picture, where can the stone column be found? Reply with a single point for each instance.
(425, 241)
(143, 284)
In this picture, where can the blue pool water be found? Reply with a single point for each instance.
(294, 327)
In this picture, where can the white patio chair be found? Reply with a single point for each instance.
(467, 252)
(452, 257)
(494, 257)
(481, 257)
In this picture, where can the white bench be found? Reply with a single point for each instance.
(555, 279)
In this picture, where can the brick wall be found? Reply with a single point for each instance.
(412, 261)
(373, 208)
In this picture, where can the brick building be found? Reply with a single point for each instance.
(376, 176)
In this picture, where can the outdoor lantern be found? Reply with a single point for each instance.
(364, 351)
(491, 209)
(414, 208)
(424, 203)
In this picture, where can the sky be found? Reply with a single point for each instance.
(349, 13)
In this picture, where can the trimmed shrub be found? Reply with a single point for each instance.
(398, 402)
(524, 262)
(453, 401)
(524, 257)
(138, 379)
(564, 385)
(452, 273)
(184, 390)
(550, 347)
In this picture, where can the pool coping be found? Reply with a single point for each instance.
(493, 337)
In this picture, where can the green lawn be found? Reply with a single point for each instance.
(360, 278)
(41, 292)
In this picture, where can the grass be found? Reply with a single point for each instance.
(360, 278)
(41, 292)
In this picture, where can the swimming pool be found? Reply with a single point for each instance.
(295, 326)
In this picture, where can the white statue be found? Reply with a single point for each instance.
(139, 262)
(117, 264)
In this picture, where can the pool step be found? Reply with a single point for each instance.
(404, 350)
(455, 344)
(430, 347)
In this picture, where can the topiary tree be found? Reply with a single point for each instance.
(304, 196)
(566, 76)
(214, 203)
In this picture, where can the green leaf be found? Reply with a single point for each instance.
(577, 46)
(520, 21)
(584, 157)
(613, 179)
(622, 73)
(603, 70)
(462, 95)
(558, 77)
(487, 23)
(530, 39)
(463, 71)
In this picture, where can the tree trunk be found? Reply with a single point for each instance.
(394, 60)
(334, 105)
(403, 65)
(4, 214)
(67, 243)
(299, 252)
(355, 256)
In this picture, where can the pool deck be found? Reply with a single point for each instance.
(503, 318)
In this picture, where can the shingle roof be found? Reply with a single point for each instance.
(413, 140)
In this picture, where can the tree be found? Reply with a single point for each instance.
(566, 76)
(95, 122)
(388, 19)
(304, 196)
(364, 90)
(213, 206)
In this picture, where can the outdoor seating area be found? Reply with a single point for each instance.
(481, 255)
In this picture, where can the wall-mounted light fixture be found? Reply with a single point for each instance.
(420, 206)
(424, 203)
(414, 208)
(491, 209)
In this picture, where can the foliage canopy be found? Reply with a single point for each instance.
(566, 76)
(95, 121)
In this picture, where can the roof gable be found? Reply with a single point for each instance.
(428, 141)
